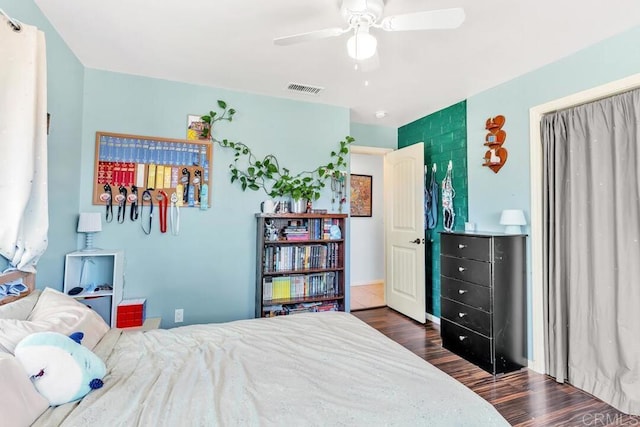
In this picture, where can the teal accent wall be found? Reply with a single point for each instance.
(444, 134)
(65, 76)
(490, 193)
(209, 269)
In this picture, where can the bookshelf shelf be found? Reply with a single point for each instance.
(298, 242)
(301, 271)
(302, 299)
(304, 273)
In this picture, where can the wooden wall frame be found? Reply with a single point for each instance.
(361, 195)
(144, 161)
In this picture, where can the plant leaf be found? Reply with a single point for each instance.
(222, 104)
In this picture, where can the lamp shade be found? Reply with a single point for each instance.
(512, 219)
(361, 45)
(90, 222)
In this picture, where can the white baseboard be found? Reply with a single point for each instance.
(433, 318)
(375, 283)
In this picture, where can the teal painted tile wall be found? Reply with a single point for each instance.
(444, 134)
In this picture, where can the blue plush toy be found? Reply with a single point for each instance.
(61, 368)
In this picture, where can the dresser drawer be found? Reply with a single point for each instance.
(468, 344)
(470, 247)
(472, 318)
(465, 269)
(467, 293)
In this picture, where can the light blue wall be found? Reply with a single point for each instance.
(65, 76)
(489, 193)
(209, 269)
(374, 135)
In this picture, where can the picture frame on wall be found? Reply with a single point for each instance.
(196, 127)
(361, 196)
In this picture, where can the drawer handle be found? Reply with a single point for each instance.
(461, 246)
(461, 269)
(461, 315)
(462, 337)
(462, 291)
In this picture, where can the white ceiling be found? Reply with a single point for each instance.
(229, 44)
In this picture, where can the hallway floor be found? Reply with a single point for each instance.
(367, 296)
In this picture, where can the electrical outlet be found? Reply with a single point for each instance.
(179, 316)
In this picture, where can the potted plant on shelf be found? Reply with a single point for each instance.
(254, 174)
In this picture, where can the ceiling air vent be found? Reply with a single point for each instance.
(302, 88)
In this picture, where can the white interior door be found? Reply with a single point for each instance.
(404, 231)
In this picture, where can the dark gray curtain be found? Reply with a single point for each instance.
(592, 248)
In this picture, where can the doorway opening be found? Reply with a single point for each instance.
(367, 233)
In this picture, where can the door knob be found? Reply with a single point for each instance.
(417, 241)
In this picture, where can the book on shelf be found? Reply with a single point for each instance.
(291, 258)
(300, 286)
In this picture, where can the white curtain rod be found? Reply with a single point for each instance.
(14, 23)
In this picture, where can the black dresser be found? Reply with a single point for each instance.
(483, 299)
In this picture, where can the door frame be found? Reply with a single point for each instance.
(537, 192)
(376, 151)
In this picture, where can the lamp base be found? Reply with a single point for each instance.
(89, 243)
(512, 229)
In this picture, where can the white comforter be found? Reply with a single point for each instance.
(308, 369)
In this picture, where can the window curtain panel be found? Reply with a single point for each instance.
(23, 145)
(592, 248)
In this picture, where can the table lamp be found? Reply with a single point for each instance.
(512, 219)
(89, 223)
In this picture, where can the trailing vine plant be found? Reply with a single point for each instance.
(267, 174)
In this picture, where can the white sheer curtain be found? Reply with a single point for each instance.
(592, 259)
(23, 145)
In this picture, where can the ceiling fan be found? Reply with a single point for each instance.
(362, 15)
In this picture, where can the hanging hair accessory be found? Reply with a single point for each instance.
(431, 199)
(448, 193)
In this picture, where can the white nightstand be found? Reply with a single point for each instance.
(148, 325)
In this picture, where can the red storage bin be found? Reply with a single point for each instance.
(131, 313)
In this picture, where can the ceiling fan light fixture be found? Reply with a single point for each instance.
(362, 45)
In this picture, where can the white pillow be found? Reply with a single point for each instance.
(21, 308)
(20, 402)
(54, 312)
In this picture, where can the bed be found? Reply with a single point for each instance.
(305, 369)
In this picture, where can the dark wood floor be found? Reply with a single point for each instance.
(524, 398)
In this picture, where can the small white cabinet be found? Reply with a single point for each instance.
(100, 273)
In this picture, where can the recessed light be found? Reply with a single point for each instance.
(381, 114)
(366, 82)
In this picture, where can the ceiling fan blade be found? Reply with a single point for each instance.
(310, 36)
(428, 20)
